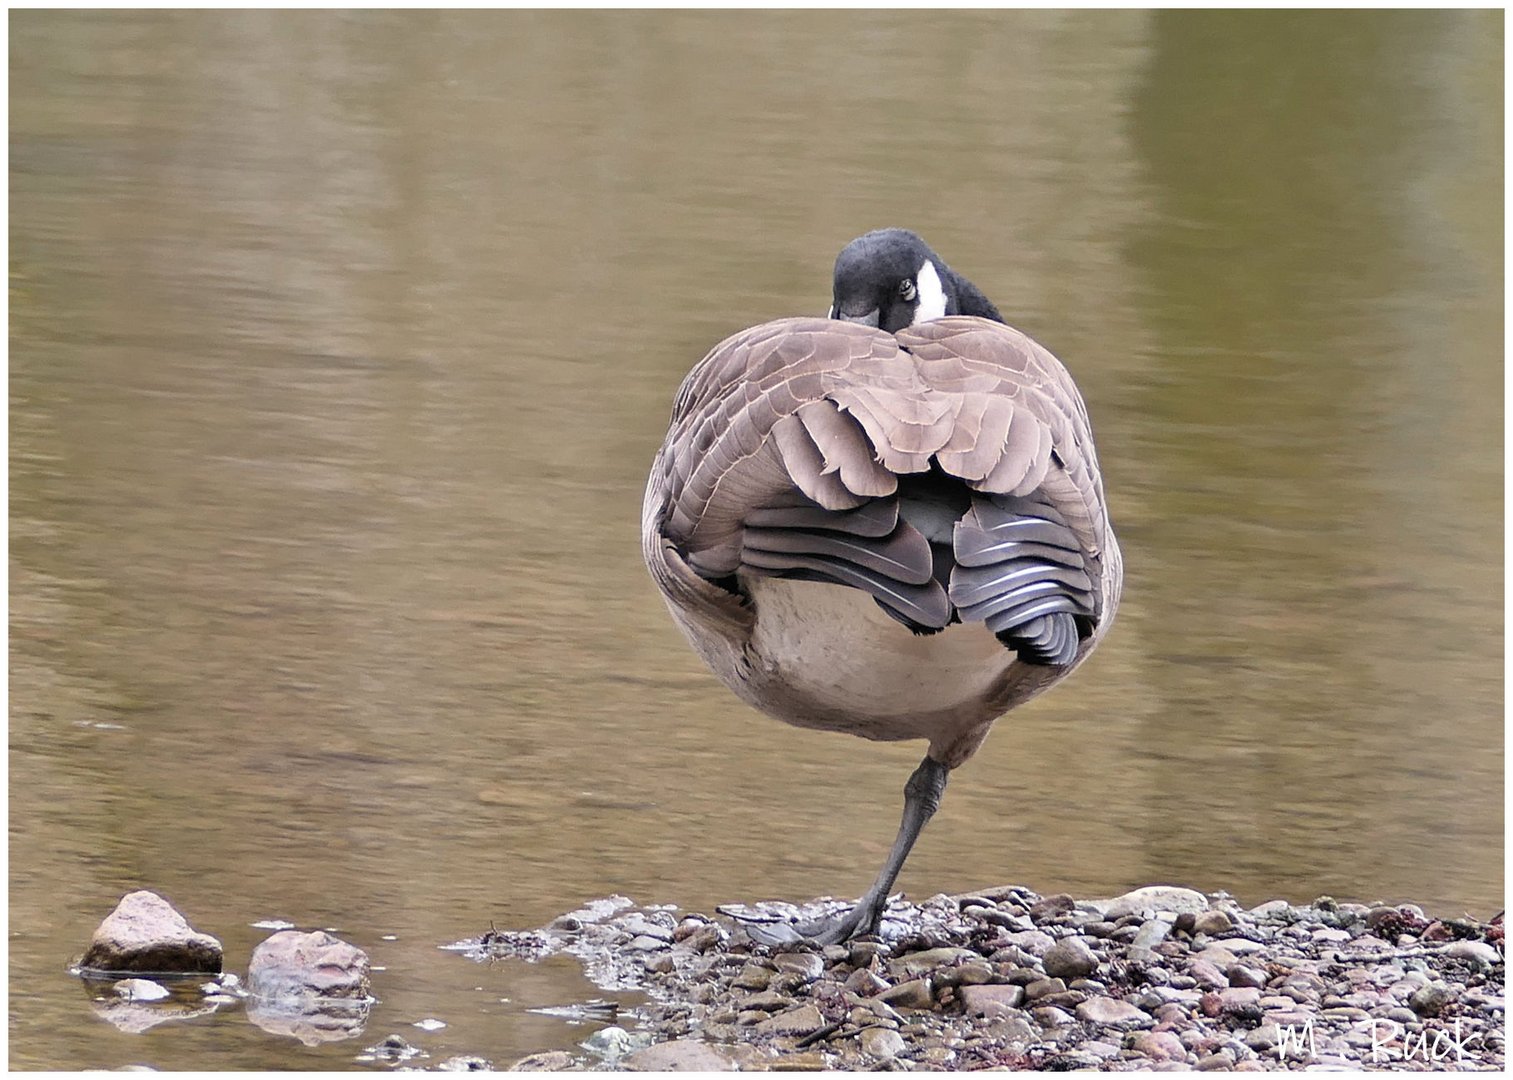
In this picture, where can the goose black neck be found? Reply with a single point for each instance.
(971, 301)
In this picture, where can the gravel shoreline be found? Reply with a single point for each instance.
(1160, 978)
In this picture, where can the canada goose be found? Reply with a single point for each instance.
(840, 503)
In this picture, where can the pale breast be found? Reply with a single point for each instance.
(828, 657)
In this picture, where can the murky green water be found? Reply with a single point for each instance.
(340, 344)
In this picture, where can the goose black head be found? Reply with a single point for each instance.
(891, 279)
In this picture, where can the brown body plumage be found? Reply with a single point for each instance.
(838, 413)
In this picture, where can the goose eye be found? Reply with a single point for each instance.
(906, 289)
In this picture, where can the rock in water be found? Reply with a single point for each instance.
(140, 990)
(292, 964)
(145, 933)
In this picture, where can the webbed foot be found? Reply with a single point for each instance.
(826, 930)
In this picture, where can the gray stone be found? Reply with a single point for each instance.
(803, 1020)
(1241, 946)
(1044, 988)
(1262, 1038)
(1212, 922)
(1052, 906)
(145, 933)
(1012, 1031)
(914, 994)
(972, 973)
(990, 1000)
(862, 952)
(922, 962)
(768, 1001)
(1431, 1000)
(611, 1042)
(1207, 974)
(1160, 1046)
(1272, 909)
(1049, 1016)
(1240, 975)
(1152, 933)
(140, 990)
(807, 967)
(640, 926)
(548, 1061)
(709, 937)
(1236, 997)
(1069, 958)
(1034, 942)
(1478, 951)
(865, 983)
(680, 1055)
(881, 1042)
(470, 1063)
(1107, 1010)
(292, 964)
(1154, 898)
(1218, 956)
(753, 977)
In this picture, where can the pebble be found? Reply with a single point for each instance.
(799, 1021)
(1478, 951)
(1212, 922)
(547, 1061)
(1052, 906)
(1069, 958)
(1430, 1000)
(922, 962)
(1155, 898)
(914, 994)
(1207, 974)
(991, 1000)
(1235, 996)
(753, 977)
(880, 1042)
(1044, 988)
(1034, 942)
(805, 966)
(1160, 1046)
(1240, 975)
(865, 983)
(1107, 1010)
(140, 990)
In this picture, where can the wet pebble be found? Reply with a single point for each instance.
(140, 990)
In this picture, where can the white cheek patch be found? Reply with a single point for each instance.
(932, 295)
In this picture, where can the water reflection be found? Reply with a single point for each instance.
(341, 342)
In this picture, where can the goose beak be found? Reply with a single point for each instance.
(866, 318)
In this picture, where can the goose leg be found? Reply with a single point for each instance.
(921, 797)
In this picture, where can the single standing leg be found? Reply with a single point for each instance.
(921, 797)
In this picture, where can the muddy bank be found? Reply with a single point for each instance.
(1160, 978)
